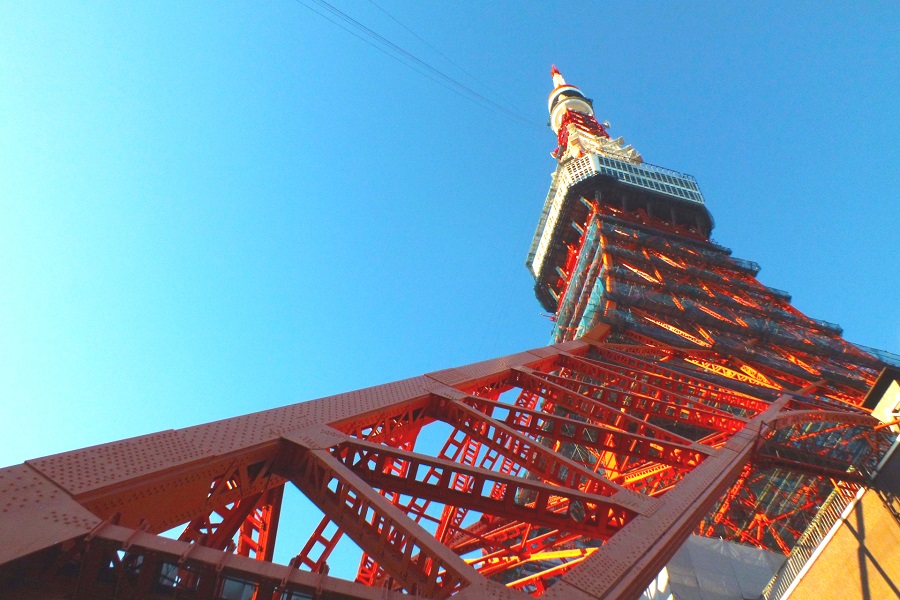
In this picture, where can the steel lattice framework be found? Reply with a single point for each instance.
(680, 396)
(626, 245)
(564, 456)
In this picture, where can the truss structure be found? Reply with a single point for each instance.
(626, 246)
(660, 285)
(680, 396)
(574, 470)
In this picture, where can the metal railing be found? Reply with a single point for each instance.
(747, 265)
(888, 357)
(650, 177)
(829, 326)
(669, 172)
(780, 293)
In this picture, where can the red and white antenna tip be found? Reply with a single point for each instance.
(557, 76)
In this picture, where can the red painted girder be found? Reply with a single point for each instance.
(642, 373)
(649, 347)
(537, 459)
(602, 515)
(795, 417)
(308, 558)
(452, 516)
(660, 351)
(764, 523)
(806, 464)
(526, 400)
(652, 480)
(488, 534)
(220, 534)
(840, 393)
(541, 581)
(804, 435)
(695, 385)
(393, 425)
(510, 557)
(233, 515)
(658, 403)
(573, 251)
(409, 553)
(731, 495)
(411, 419)
(260, 529)
(454, 449)
(464, 450)
(600, 438)
(596, 410)
(193, 489)
(627, 563)
(778, 374)
(369, 571)
(457, 450)
(492, 533)
(804, 400)
(739, 515)
(496, 371)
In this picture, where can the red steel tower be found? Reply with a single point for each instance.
(625, 245)
(679, 396)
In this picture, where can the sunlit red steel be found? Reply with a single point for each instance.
(555, 413)
(681, 396)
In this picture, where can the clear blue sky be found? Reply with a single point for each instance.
(208, 209)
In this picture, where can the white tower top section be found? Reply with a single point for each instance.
(565, 97)
(578, 132)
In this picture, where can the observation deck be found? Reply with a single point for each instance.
(663, 193)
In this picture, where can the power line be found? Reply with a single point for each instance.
(413, 61)
(385, 46)
(382, 50)
(438, 52)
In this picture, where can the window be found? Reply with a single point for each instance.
(237, 589)
(289, 595)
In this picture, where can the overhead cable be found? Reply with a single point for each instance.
(384, 45)
(437, 51)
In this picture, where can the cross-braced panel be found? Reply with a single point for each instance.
(576, 469)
